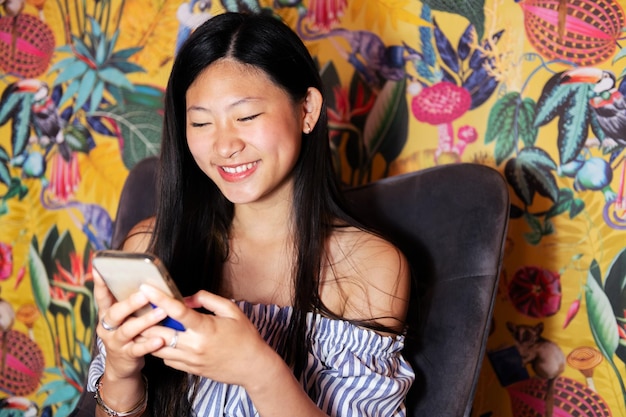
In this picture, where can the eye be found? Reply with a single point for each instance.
(194, 124)
(248, 118)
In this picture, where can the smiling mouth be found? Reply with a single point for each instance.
(239, 169)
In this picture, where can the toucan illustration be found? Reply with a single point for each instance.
(24, 407)
(44, 115)
(608, 102)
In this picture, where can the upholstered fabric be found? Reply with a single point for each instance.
(137, 200)
(451, 222)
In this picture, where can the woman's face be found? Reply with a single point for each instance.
(243, 131)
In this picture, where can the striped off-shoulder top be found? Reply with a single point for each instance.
(351, 371)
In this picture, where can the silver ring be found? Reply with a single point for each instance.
(106, 326)
(174, 340)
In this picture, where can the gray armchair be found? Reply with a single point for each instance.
(451, 222)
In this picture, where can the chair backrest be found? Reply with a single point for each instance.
(137, 200)
(451, 222)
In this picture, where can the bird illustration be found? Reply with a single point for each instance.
(27, 407)
(44, 116)
(245, 6)
(28, 104)
(189, 18)
(608, 103)
(250, 6)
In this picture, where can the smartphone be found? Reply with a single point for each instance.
(123, 273)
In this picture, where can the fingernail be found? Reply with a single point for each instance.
(146, 289)
(159, 313)
(139, 297)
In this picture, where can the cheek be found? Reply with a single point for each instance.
(193, 150)
(197, 146)
(280, 141)
(199, 152)
(289, 133)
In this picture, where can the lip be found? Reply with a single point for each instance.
(233, 173)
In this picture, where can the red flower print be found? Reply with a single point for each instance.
(76, 276)
(535, 291)
(340, 117)
(572, 311)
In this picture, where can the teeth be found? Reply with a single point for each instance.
(239, 169)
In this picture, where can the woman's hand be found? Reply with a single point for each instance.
(120, 331)
(225, 347)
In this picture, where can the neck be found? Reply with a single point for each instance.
(262, 222)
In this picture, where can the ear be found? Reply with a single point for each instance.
(311, 109)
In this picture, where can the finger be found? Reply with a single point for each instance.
(173, 307)
(146, 345)
(191, 302)
(124, 308)
(134, 326)
(172, 340)
(103, 297)
(114, 311)
(220, 306)
(131, 331)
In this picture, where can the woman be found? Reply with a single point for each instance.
(293, 307)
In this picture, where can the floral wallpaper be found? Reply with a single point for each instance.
(533, 88)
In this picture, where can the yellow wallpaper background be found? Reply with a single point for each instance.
(530, 87)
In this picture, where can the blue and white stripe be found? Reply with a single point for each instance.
(351, 371)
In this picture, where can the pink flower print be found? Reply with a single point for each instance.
(440, 105)
(64, 177)
(465, 135)
(6, 261)
(325, 13)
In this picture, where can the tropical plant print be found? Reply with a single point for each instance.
(533, 88)
(63, 294)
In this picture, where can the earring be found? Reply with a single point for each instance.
(307, 129)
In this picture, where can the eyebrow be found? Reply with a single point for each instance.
(196, 107)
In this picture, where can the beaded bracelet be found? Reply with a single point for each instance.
(138, 408)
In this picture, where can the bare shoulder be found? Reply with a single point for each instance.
(138, 238)
(371, 278)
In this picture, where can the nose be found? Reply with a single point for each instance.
(228, 144)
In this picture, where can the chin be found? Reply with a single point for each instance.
(239, 198)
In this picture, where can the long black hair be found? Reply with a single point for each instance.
(193, 218)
